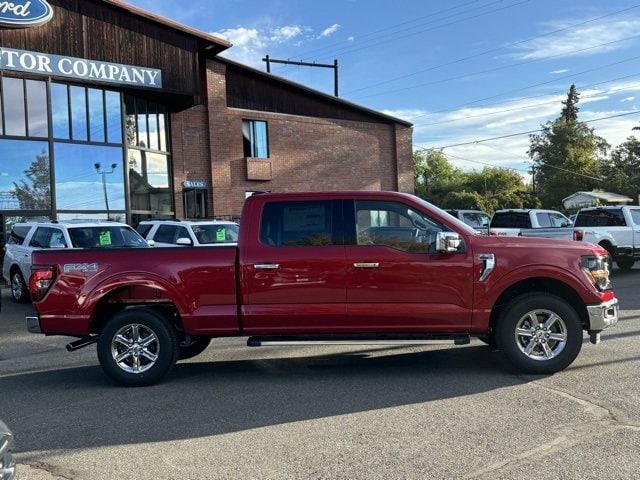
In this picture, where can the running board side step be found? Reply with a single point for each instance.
(300, 340)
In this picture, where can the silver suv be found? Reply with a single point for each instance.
(27, 237)
(189, 233)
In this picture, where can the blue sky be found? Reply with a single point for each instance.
(460, 71)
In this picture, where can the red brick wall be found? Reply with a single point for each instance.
(307, 153)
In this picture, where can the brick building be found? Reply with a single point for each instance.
(109, 111)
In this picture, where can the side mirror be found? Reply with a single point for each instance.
(151, 243)
(447, 242)
(184, 242)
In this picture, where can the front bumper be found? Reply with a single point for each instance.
(33, 323)
(603, 315)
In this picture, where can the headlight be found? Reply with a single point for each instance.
(597, 269)
(7, 463)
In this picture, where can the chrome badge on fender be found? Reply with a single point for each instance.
(80, 267)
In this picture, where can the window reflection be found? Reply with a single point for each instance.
(143, 138)
(131, 126)
(153, 127)
(60, 110)
(162, 128)
(14, 114)
(114, 117)
(25, 182)
(149, 182)
(80, 181)
(96, 115)
(79, 113)
(37, 108)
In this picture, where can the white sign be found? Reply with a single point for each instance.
(22, 14)
(194, 184)
(79, 68)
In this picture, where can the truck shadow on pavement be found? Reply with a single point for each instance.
(80, 408)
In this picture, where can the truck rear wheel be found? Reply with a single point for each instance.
(625, 263)
(19, 288)
(137, 347)
(539, 333)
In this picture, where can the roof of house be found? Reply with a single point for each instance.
(216, 44)
(601, 195)
(325, 96)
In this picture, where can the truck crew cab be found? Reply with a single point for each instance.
(357, 267)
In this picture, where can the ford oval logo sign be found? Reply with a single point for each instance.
(24, 13)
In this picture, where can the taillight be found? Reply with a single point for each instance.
(40, 282)
(578, 235)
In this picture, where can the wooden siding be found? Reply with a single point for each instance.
(252, 91)
(95, 30)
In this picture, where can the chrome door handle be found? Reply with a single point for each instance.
(266, 266)
(366, 265)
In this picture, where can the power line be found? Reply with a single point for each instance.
(520, 89)
(529, 132)
(548, 165)
(369, 34)
(346, 50)
(485, 163)
(497, 112)
(493, 50)
(501, 67)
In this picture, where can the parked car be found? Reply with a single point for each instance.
(616, 229)
(476, 219)
(531, 223)
(196, 233)
(322, 268)
(25, 238)
(7, 462)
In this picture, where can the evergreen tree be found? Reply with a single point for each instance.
(35, 192)
(567, 155)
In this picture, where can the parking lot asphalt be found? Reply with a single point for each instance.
(311, 412)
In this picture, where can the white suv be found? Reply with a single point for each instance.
(617, 229)
(189, 233)
(27, 237)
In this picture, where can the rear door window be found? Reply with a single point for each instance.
(45, 237)
(310, 224)
(511, 220)
(601, 218)
(166, 234)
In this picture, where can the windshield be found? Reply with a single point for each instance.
(458, 223)
(210, 234)
(106, 237)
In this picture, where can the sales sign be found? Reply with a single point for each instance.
(79, 68)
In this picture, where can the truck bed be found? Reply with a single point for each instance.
(182, 276)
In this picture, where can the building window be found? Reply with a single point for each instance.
(255, 138)
(149, 180)
(146, 124)
(25, 180)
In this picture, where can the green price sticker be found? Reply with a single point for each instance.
(105, 238)
(221, 235)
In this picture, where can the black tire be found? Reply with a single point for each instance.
(19, 288)
(516, 310)
(148, 321)
(195, 348)
(625, 263)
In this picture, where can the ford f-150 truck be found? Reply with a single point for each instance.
(322, 268)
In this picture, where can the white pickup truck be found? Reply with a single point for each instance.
(617, 229)
(531, 223)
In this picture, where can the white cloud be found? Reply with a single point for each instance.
(584, 37)
(628, 99)
(557, 72)
(351, 39)
(469, 124)
(327, 32)
(251, 44)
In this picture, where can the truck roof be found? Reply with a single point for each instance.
(331, 195)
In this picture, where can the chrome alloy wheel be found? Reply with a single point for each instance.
(541, 335)
(17, 287)
(135, 348)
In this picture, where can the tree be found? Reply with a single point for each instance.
(435, 177)
(622, 172)
(567, 155)
(36, 194)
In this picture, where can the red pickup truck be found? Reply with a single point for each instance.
(321, 268)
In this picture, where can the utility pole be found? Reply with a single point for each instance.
(104, 174)
(533, 179)
(268, 60)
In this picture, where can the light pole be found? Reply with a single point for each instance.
(104, 174)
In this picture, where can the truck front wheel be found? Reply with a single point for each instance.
(137, 347)
(539, 333)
